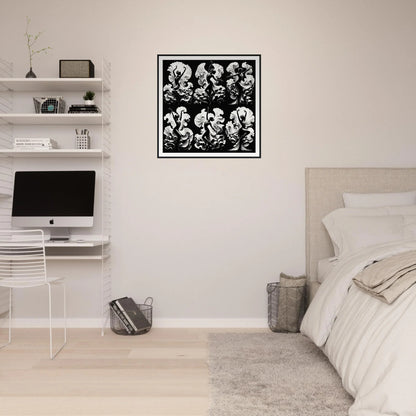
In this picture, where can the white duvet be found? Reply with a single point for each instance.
(370, 343)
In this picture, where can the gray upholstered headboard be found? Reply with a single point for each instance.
(324, 188)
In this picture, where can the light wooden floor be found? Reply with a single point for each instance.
(161, 373)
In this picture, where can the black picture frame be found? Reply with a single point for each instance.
(209, 106)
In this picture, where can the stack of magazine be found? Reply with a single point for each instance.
(130, 315)
(82, 108)
(33, 144)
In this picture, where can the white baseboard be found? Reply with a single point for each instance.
(157, 323)
(44, 323)
(210, 323)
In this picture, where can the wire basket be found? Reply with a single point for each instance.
(146, 308)
(286, 307)
(49, 105)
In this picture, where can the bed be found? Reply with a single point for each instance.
(370, 343)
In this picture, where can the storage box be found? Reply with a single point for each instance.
(76, 68)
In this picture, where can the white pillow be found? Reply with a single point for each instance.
(330, 220)
(379, 199)
(410, 227)
(337, 216)
(351, 234)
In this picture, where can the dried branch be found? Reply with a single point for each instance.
(31, 40)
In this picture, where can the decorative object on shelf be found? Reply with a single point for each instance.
(30, 74)
(30, 41)
(89, 98)
(209, 106)
(49, 105)
(82, 140)
(33, 144)
(76, 68)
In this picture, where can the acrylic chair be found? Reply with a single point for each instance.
(23, 265)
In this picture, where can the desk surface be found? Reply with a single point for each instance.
(74, 243)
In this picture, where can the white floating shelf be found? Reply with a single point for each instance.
(66, 244)
(51, 84)
(94, 153)
(69, 244)
(69, 257)
(52, 119)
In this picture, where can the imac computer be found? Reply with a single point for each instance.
(54, 199)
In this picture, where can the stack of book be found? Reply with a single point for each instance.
(33, 144)
(129, 314)
(82, 108)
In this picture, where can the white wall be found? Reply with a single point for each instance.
(203, 237)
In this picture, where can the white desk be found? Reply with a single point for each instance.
(74, 243)
(73, 254)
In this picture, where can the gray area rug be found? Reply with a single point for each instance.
(272, 374)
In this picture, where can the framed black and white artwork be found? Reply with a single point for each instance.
(209, 106)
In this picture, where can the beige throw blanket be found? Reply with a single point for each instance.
(389, 278)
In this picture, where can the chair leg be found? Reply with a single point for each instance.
(52, 355)
(10, 314)
(104, 323)
(64, 293)
(9, 319)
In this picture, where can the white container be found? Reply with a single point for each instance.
(82, 141)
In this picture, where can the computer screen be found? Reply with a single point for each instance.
(53, 198)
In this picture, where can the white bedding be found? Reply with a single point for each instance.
(325, 266)
(371, 344)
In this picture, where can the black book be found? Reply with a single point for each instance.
(75, 108)
(70, 111)
(133, 314)
(121, 317)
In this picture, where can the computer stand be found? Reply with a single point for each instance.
(60, 234)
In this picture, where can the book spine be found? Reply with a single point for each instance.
(32, 149)
(29, 146)
(25, 142)
(122, 318)
(32, 143)
(126, 315)
(28, 143)
(30, 139)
